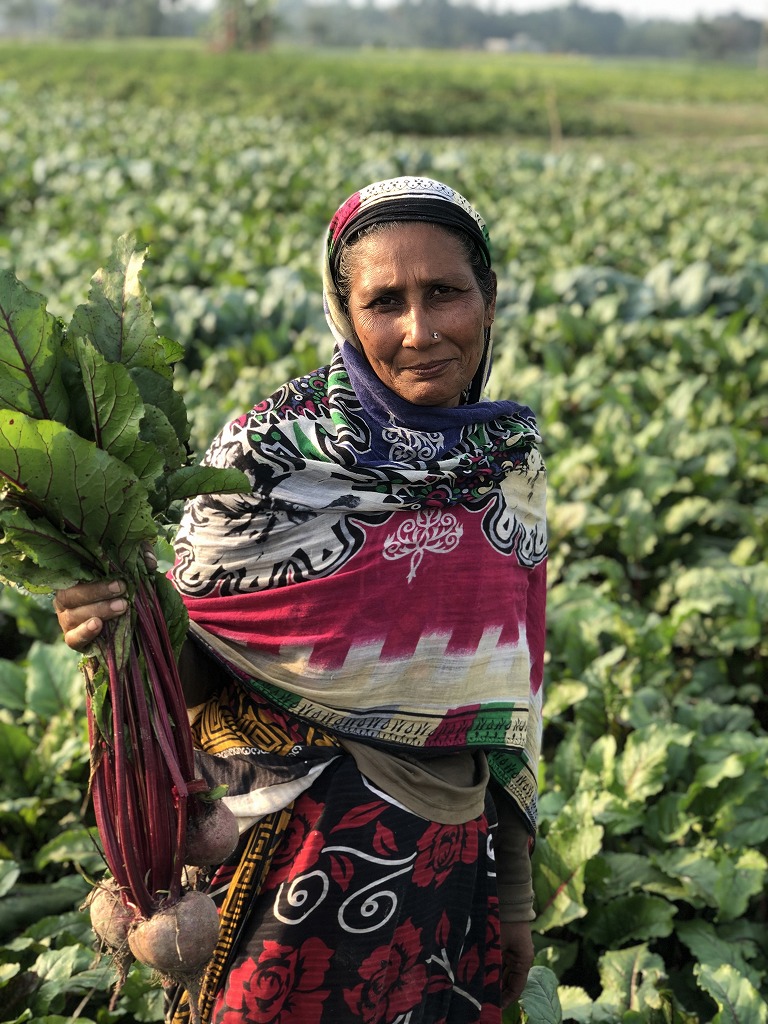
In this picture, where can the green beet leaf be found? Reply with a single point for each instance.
(79, 488)
(38, 555)
(9, 873)
(630, 979)
(28, 903)
(54, 684)
(116, 410)
(716, 877)
(72, 846)
(191, 480)
(156, 391)
(32, 613)
(16, 749)
(709, 947)
(539, 999)
(559, 865)
(174, 612)
(638, 916)
(31, 353)
(117, 319)
(739, 1002)
(642, 768)
(158, 430)
(576, 1004)
(13, 692)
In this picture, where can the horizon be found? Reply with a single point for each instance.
(631, 10)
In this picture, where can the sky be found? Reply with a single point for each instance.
(675, 10)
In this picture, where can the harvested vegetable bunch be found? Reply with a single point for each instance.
(93, 463)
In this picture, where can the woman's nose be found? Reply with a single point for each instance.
(420, 332)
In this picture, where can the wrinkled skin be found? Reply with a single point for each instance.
(418, 313)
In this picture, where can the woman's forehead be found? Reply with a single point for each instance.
(408, 249)
(396, 236)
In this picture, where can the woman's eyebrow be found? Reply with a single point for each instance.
(451, 277)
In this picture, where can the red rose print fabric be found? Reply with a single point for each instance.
(369, 915)
(440, 848)
(283, 983)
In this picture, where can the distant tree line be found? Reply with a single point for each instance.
(89, 19)
(248, 24)
(575, 28)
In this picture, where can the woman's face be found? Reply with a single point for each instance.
(407, 285)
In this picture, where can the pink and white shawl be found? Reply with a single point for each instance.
(386, 576)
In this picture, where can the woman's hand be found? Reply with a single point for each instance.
(83, 609)
(516, 959)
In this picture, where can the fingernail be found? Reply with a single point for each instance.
(93, 624)
(115, 587)
(118, 606)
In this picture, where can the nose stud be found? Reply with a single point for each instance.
(435, 335)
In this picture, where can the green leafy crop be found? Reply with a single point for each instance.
(632, 316)
(93, 457)
(94, 438)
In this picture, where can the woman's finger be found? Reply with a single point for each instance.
(102, 591)
(150, 558)
(73, 618)
(83, 609)
(79, 637)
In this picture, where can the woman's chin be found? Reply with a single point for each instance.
(434, 391)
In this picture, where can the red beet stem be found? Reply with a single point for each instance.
(144, 771)
(150, 771)
(101, 795)
(128, 815)
(157, 644)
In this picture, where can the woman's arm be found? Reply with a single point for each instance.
(513, 876)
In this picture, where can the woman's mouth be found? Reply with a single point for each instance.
(427, 370)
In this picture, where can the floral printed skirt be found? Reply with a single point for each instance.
(368, 914)
(343, 907)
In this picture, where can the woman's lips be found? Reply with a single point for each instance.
(428, 369)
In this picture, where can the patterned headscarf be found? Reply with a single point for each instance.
(406, 199)
(396, 199)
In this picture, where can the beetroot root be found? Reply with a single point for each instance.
(179, 940)
(211, 836)
(110, 918)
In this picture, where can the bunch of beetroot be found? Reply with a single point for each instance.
(94, 463)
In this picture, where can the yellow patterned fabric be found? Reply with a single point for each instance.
(234, 718)
(230, 722)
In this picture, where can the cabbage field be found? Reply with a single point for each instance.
(628, 211)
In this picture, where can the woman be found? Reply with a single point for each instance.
(365, 655)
